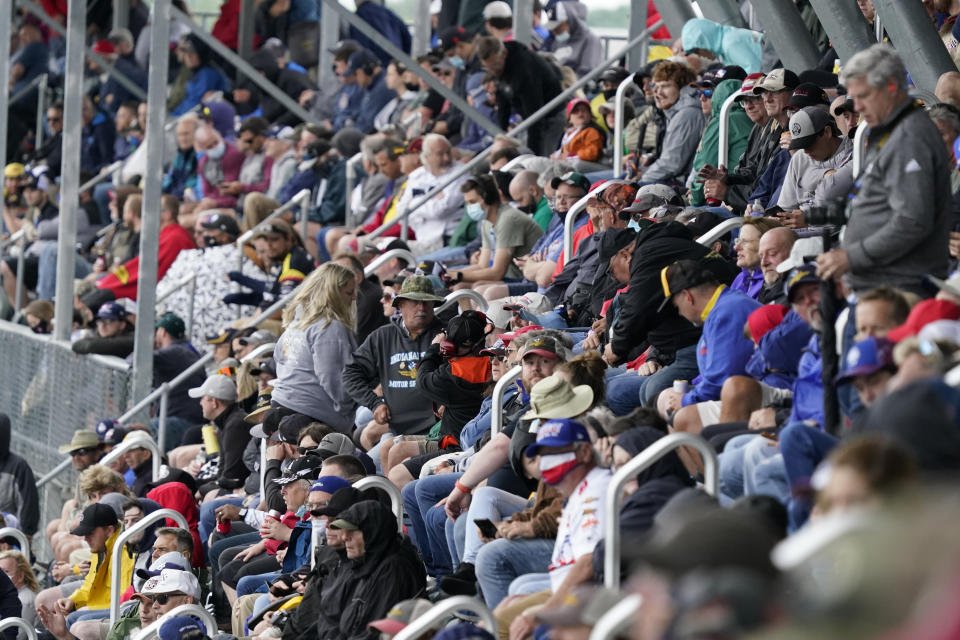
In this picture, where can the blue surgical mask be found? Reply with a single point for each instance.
(633, 224)
(457, 61)
(217, 152)
(475, 211)
(302, 511)
(562, 37)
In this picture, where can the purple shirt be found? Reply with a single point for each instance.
(750, 282)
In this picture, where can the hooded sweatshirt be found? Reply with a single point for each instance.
(684, 128)
(456, 383)
(734, 46)
(18, 489)
(176, 496)
(739, 126)
(389, 358)
(582, 52)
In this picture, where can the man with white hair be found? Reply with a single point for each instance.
(898, 222)
(436, 219)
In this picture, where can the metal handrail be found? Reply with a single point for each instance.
(116, 589)
(21, 273)
(139, 440)
(191, 283)
(27, 89)
(720, 230)
(444, 608)
(463, 294)
(858, 142)
(514, 133)
(10, 532)
(614, 498)
(723, 133)
(14, 237)
(496, 402)
(518, 161)
(295, 201)
(102, 175)
(383, 259)
(396, 501)
(53, 473)
(351, 171)
(618, 100)
(574, 212)
(195, 610)
(41, 110)
(616, 620)
(259, 351)
(21, 624)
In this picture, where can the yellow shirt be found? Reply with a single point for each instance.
(94, 593)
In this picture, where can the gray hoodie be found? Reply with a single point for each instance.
(685, 122)
(582, 52)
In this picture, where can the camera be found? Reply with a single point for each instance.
(833, 213)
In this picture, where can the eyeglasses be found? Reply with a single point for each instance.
(498, 358)
(161, 598)
(305, 450)
(319, 504)
(706, 93)
(80, 452)
(388, 297)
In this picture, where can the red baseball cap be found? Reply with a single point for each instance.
(573, 104)
(922, 314)
(104, 46)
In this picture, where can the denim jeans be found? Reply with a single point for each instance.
(490, 504)
(87, 614)
(502, 561)
(208, 517)
(255, 584)
(623, 392)
(530, 583)
(449, 256)
(419, 497)
(683, 367)
(47, 271)
(456, 539)
(758, 480)
(731, 468)
(219, 546)
(803, 448)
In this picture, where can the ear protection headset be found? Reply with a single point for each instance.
(487, 188)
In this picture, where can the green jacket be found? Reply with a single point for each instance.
(543, 214)
(740, 126)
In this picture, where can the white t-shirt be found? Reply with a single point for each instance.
(581, 524)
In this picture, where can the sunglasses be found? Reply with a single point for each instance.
(305, 450)
(498, 358)
(80, 452)
(162, 598)
(388, 297)
(706, 93)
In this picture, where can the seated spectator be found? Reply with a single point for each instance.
(220, 165)
(529, 196)
(571, 41)
(254, 173)
(114, 328)
(112, 93)
(182, 174)
(370, 79)
(685, 122)
(751, 278)
(218, 400)
(583, 141)
(289, 264)
(17, 568)
(197, 77)
(99, 134)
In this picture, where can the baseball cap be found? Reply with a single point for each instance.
(111, 311)
(224, 336)
(335, 444)
(561, 432)
(168, 560)
(746, 87)
(730, 72)
(14, 170)
(82, 439)
(341, 500)
(289, 427)
(450, 36)
(555, 397)
(499, 317)
(219, 386)
(274, 226)
(468, 329)
(343, 45)
(115, 436)
(573, 104)
(573, 179)
(510, 335)
(648, 197)
(95, 515)
(173, 581)
(263, 405)
(613, 240)
(681, 275)
(303, 468)
(800, 275)
(257, 338)
(806, 124)
(418, 288)
(343, 524)
(614, 74)
(330, 484)
(267, 366)
(777, 80)
(497, 9)
(104, 426)
(762, 319)
(402, 613)
(555, 15)
(498, 348)
(182, 628)
(173, 324)
(922, 314)
(702, 221)
(360, 59)
(221, 222)
(103, 47)
(808, 94)
(545, 346)
(865, 357)
(121, 34)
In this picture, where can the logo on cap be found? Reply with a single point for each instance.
(796, 129)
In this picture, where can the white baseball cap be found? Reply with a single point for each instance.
(497, 9)
(219, 386)
(173, 581)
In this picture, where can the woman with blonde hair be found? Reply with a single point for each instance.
(318, 338)
(17, 568)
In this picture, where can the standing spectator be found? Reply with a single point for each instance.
(389, 24)
(173, 354)
(898, 226)
(197, 77)
(18, 490)
(218, 399)
(26, 63)
(570, 40)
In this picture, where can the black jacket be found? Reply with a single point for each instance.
(365, 589)
(10, 606)
(18, 489)
(142, 477)
(302, 622)
(120, 346)
(369, 309)
(640, 324)
(528, 82)
(168, 363)
(234, 435)
(457, 384)
(763, 143)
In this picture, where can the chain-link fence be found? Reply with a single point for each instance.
(49, 392)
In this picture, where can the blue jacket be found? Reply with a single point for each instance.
(768, 186)
(298, 548)
(372, 101)
(777, 358)
(808, 389)
(120, 94)
(750, 282)
(306, 179)
(204, 79)
(722, 350)
(346, 106)
(388, 24)
(474, 429)
(182, 174)
(97, 149)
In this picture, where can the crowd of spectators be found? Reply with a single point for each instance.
(695, 296)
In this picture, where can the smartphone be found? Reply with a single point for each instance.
(487, 528)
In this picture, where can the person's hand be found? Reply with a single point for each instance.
(382, 413)
(275, 451)
(227, 512)
(60, 571)
(278, 8)
(833, 263)
(305, 97)
(592, 341)
(648, 368)
(674, 401)
(281, 554)
(437, 339)
(446, 466)
(792, 219)
(604, 449)
(609, 356)
(84, 567)
(522, 626)
(512, 530)
(955, 244)
(599, 325)
(252, 551)
(65, 606)
(714, 189)
(710, 172)
(457, 503)
(275, 530)
(785, 139)
(231, 188)
(762, 418)
(54, 621)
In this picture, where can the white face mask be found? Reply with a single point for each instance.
(562, 37)
(475, 211)
(217, 152)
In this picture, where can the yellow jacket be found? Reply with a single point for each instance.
(94, 593)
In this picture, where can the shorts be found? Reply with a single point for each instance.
(709, 412)
(415, 464)
(771, 396)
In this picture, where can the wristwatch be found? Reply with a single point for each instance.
(243, 513)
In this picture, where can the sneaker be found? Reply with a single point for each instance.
(463, 582)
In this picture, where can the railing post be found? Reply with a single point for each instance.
(153, 629)
(636, 58)
(720, 230)
(675, 14)
(21, 537)
(384, 258)
(496, 402)
(18, 296)
(523, 21)
(141, 441)
(41, 108)
(263, 468)
(421, 29)
(454, 297)
(351, 171)
(617, 620)
(442, 610)
(396, 501)
(20, 624)
(723, 135)
(858, 143)
(618, 124)
(6, 17)
(571, 218)
(164, 407)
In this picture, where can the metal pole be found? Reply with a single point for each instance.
(384, 258)
(618, 124)
(21, 537)
(150, 229)
(329, 35)
(454, 297)
(41, 108)
(617, 620)
(351, 170)
(457, 101)
(396, 501)
(571, 218)
(722, 11)
(164, 407)
(858, 142)
(139, 441)
(263, 468)
(720, 230)
(121, 13)
(194, 610)
(784, 28)
(18, 296)
(638, 22)
(104, 173)
(70, 170)
(916, 40)
(245, 32)
(675, 14)
(496, 404)
(848, 30)
(304, 211)
(441, 611)
(193, 297)
(21, 624)
(723, 135)
(421, 29)
(62, 466)
(523, 21)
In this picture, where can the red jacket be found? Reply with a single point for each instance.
(123, 280)
(176, 496)
(232, 162)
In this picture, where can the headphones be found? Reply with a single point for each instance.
(487, 188)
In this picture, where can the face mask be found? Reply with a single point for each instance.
(210, 241)
(217, 152)
(562, 37)
(411, 86)
(301, 511)
(457, 61)
(530, 208)
(320, 524)
(633, 224)
(40, 327)
(475, 212)
(555, 467)
(609, 94)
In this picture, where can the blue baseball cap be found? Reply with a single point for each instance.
(111, 311)
(330, 484)
(360, 59)
(802, 274)
(561, 432)
(182, 628)
(866, 357)
(104, 426)
(956, 143)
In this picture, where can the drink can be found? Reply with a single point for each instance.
(210, 442)
(223, 525)
(273, 513)
(681, 386)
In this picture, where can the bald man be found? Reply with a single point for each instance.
(530, 198)
(948, 88)
(775, 246)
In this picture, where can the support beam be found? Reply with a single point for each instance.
(523, 21)
(722, 11)
(329, 36)
(121, 13)
(6, 17)
(421, 29)
(70, 170)
(848, 30)
(784, 28)
(248, 10)
(917, 42)
(674, 14)
(638, 23)
(150, 229)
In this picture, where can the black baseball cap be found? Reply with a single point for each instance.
(221, 222)
(290, 426)
(306, 467)
(450, 36)
(808, 94)
(613, 240)
(96, 515)
(683, 274)
(573, 179)
(467, 329)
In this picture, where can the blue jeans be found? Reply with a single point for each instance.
(87, 614)
(731, 467)
(456, 531)
(419, 497)
(255, 584)
(218, 547)
(530, 583)
(803, 448)
(759, 479)
(623, 392)
(47, 271)
(502, 561)
(208, 517)
(490, 504)
(449, 256)
(629, 391)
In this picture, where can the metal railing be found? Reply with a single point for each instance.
(514, 133)
(20, 536)
(396, 501)
(463, 294)
(117, 589)
(574, 212)
(19, 623)
(259, 351)
(351, 171)
(383, 259)
(295, 201)
(442, 610)
(194, 610)
(517, 162)
(614, 498)
(723, 133)
(618, 101)
(617, 620)
(33, 84)
(496, 403)
(191, 283)
(20, 239)
(137, 440)
(41, 110)
(858, 142)
(720, 230)
(102, 175)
